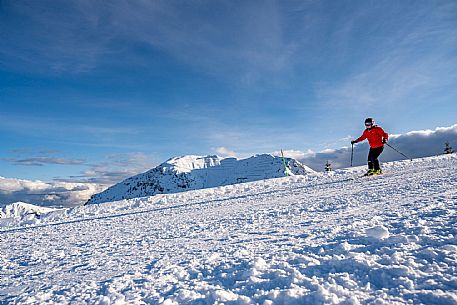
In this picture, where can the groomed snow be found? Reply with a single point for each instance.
(331, 239)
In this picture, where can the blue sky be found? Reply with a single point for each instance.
(97, 91)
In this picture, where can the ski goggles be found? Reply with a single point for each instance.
(368, 124)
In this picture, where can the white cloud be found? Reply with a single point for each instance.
(225, 152)
(295, 154)
(46, 193)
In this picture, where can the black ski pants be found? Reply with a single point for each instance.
(373, 162)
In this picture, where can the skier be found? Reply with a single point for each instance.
(377, 137)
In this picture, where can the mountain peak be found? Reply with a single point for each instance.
(187, 163)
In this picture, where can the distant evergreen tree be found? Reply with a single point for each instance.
(328, 167)
(448, 149)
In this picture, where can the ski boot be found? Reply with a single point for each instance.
(377, 172)
(370, 172)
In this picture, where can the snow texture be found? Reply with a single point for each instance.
(196, 172)
(24, 212)
(328, 239)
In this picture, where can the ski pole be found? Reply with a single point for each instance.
(284, 161)
(399, 151)
(352, 153)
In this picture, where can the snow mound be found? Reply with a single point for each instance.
(21, 212)
(21, 209)
(378, 232)
(200, 172)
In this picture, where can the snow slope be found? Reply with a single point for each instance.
(197, 172)
(327, 239)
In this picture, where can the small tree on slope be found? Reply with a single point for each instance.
(448, 149)
(328, 167)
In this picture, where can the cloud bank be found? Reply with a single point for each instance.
(414, 144)
(46, 193)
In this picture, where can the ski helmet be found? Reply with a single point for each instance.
(369, 122)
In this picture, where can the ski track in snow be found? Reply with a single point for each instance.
(388, 239)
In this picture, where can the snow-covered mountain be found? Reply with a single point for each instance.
(198, 172)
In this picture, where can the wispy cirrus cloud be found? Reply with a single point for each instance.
(242, 41)
(40, 161)
(242, 38)
(114, 169)
(52, 37)
(39, 157)
(70, 131)
(403, 72)
(25, 151)
(33, 124)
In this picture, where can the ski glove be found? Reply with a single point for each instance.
(353, 142)
(384, 141)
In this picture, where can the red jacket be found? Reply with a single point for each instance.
(375, 136)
